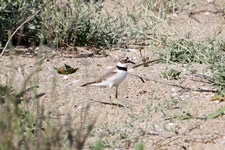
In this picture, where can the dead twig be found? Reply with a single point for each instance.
(137, 77)
(162, 144)
(213, 139)
(28, 19)
(106, 103)
(183, 88)
(191, 14)
(145, 63)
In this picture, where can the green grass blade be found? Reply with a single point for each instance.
(217, 113)
(98, 145)
(139, 147)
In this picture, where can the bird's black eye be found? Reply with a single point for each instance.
(126, 60)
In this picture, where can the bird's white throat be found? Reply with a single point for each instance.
(122, 65)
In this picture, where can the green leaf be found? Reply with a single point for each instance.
(139, 146)
(98, 145)
(171, 74)
(66, 70)
(183, 116)
(217, 113)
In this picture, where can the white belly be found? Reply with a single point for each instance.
(117, 78)
(114, 80)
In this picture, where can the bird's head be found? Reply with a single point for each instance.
(124, 62)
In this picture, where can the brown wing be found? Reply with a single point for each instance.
(102, 78)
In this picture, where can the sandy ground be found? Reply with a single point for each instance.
(151, 109)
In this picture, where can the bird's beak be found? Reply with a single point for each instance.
(131, 62)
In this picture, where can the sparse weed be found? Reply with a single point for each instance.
(208, 52)
(22, 129)
(217, 77)
(69, 23)
(84, 23)
(187, 51)
(171, 74)
(161, 8)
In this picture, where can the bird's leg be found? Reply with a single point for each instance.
(110, 99)
(110, 96)
(117, 96)
(116, 92)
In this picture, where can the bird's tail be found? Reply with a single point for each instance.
(89, 83)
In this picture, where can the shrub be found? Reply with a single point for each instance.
(13, 13)
(187, 51)
(69, 23)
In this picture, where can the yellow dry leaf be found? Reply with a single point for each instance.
(218, 98)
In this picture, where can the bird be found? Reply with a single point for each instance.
(113, 78)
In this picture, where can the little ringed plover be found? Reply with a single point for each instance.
(114, 77)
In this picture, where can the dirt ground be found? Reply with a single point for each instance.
(152, 109)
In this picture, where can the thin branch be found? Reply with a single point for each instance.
(138, 65)
(143, 81)
(28, 19)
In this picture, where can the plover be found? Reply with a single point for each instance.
(114, 77)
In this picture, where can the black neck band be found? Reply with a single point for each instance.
(121, 68)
